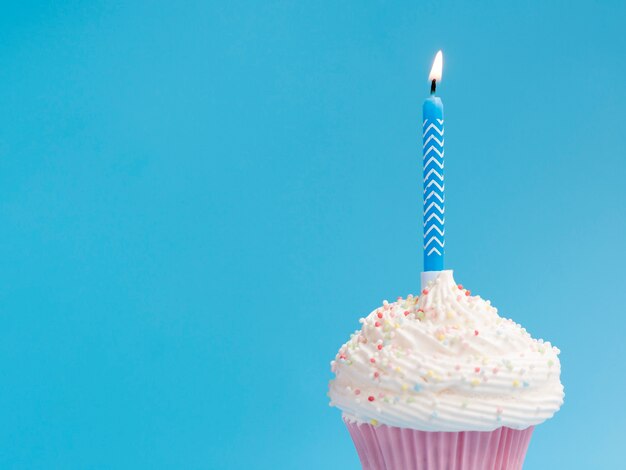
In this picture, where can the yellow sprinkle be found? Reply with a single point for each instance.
(516, 383)
(405, 387)
(475, 382)
(374, 422)
(441, 336)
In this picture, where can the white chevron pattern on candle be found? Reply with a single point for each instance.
(434, 198)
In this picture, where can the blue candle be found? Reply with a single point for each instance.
(434, 194)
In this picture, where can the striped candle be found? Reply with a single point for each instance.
(434, 194)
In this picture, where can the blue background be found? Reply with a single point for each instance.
(198, 201)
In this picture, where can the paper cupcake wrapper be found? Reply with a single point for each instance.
(391, 448)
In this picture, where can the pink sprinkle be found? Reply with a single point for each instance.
(399, 299)
(372, 360)
(460, 286)
(425, 292)
(467, 293)
(475, 332)
(371, 398)
(380, 315)
(477, 369)
(357, 392)
(377, 324)
(376, 374)
(380, 347)
(406, 312)
(495, 370)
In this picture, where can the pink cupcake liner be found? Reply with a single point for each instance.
(391, 448)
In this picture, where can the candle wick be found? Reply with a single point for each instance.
(433, 86)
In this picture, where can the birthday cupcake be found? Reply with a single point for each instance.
(441, 381)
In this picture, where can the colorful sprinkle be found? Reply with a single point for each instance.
(371, 398)
(475, 332)
(425, 292)
(374, 422)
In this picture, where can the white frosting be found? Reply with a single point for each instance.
(445, 362)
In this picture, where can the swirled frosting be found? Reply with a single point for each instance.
(445, 361)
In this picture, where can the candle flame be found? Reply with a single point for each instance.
(435, 72)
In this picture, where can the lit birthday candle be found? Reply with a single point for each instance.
(434, 195)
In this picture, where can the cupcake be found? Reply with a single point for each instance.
(441, 381)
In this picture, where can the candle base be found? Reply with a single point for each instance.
(428, 276)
